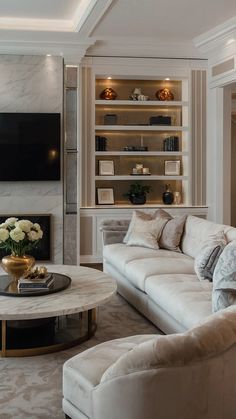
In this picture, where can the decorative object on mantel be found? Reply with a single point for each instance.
(137, 193)
(164, 94)
(19, 237)
(108, 94)
(167, 196)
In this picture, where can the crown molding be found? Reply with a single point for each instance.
(88, 14)
(140, 47)
(223, 35)
(71, 51)
(87, 10)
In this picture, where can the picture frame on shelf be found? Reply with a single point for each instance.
(105, 196)
(106, 168)
(172, 167)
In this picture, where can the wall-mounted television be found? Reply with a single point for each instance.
(29, 146)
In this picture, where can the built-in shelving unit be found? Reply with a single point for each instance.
(131, 127)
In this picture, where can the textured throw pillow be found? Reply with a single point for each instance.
(208, 256)
(142, 215)
(145, 233)
(172, 231)
(224, 279)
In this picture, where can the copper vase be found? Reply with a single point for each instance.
(16, 266)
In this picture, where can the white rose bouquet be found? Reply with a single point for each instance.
(19, 236)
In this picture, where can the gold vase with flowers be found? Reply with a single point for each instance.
(19, 237)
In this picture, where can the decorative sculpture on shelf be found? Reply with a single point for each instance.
(164, 94)
(108, 94)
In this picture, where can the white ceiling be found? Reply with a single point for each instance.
(38, 9)
(165, 20)
(164, 28)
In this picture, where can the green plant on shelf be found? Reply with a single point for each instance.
(137, 193)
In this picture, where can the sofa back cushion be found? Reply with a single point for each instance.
(198, 230)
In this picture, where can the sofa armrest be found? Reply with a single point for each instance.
(214, 336)
(114, 231)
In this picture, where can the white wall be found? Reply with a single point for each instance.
(33, 84)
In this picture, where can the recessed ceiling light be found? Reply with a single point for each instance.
(109, 78)
(49, 55)
(167, 78)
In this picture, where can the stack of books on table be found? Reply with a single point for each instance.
(35, 285)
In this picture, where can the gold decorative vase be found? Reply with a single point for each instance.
(16, 266)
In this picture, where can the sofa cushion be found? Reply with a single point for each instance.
(144, 232)
(84, 371)
(182, 296)
(224, 279)
(208, 256)
(137, 271)
(119, 256)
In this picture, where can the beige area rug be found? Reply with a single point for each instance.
(31, 388)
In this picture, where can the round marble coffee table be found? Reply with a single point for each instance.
(43, 324)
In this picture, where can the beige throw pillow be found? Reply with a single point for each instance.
(172, 231)
(144, 232)
(143, 216)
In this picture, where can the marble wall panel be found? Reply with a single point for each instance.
(33, 84)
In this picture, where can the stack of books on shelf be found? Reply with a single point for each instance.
(171, 144)
(35, 285)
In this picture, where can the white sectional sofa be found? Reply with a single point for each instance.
(162, 284)
(188, 374)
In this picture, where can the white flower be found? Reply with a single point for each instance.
(11, 221)
(3, 225)
(24, 225)
(17, 234)
(4, 234)
(36, 226)
(40, 233)
(34, 235)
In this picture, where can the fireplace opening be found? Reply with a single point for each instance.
(43, 251)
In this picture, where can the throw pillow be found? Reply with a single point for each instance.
(224, 279)
(142, 215)
(208, 256)
(145, 233)
(172, 231)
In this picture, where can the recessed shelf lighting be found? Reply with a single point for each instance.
(109, 78)
(167, 78)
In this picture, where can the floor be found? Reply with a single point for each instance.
(31, 388)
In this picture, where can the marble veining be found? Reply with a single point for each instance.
(89, 289)
(33, 84)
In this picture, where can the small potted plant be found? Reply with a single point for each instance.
(137, 193)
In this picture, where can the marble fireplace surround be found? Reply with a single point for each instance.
(44, 250)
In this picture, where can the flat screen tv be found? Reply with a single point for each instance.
(29, 146)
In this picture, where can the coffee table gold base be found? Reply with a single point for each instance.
(89, 331)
